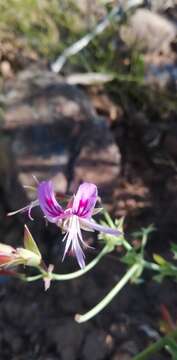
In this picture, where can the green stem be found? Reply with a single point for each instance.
(81, 272)
(126, 245)
(109, 297)
(74, 274)
(33, 278)
(157, 346)
(151, 266)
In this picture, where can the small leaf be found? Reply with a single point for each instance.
(109, 220)
(120, 224)
(159, 259)
(130, 258)
(29, 242)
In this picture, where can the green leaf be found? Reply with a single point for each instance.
(130, 258)
(29, 242)
(144, 231)
(120, 224)
(172, 347)
(159, 260)
(108, 219)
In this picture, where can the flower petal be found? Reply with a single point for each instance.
(48, 278)
(74, 240)
(5, 259)
(49, 205)
(79, 254)
(29, 242)
(85, 200)
(105, 229)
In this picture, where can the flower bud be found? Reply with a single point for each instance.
(28, 257)
(7, 255)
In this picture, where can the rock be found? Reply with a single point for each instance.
(96, 346)
(149, 31)
(130, 346)
(11, 193)
(159, 5)
(120, 355)
(99, 160)
(55, 133)
(67, 337)
(43, 118)
(120, 329)
(6, 69)
(170, 142)
(91, 10)
(92, 293)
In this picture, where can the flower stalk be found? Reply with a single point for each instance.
(74, 274)
(109, 297)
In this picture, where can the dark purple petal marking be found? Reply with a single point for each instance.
(49, 205)
(85, 200)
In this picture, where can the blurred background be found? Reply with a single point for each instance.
(88, 92)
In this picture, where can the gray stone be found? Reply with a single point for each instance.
(95, 346)
(55, 133)
(149, 31)
(99, 160)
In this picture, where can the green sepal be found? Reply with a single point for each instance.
(29, 242)
(111, 240)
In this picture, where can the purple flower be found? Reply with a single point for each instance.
(77, 216)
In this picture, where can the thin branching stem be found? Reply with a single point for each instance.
(75, 274)
(109, 297)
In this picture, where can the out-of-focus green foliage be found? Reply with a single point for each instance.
(42, 25)
(49, 26)
(33, 28)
